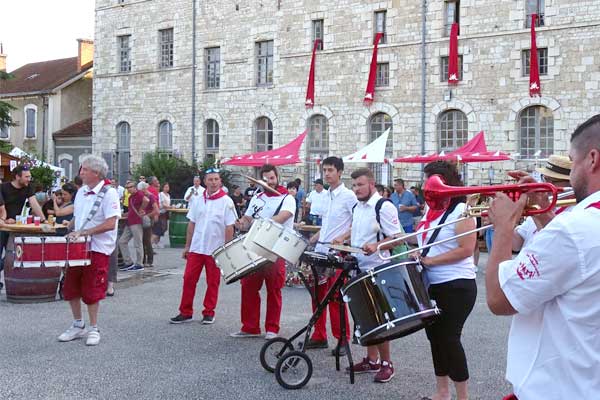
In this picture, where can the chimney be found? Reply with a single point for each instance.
(85, 52)
(2, 59)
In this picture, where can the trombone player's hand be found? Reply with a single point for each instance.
(504, 212)
(536, 199)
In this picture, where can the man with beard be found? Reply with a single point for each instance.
(280, 208)
(552, 288)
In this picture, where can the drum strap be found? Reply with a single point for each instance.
(96, 206)
(436, 232)
(280, 205)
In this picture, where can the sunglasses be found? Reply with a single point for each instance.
(212, 171)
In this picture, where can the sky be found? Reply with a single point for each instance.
(41, 30)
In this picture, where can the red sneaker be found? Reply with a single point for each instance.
(365, 366)
(386, 372)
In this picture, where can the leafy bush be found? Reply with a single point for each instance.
(43, 176)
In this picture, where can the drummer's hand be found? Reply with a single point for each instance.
(504, 212)
(186, 250)
(313, 239)
(74, 235)
(338, 240)
(370, 248)
(425, 261)
(10, 221)
(238, 224)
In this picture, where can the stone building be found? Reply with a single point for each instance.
(52, 101)
(246, 90)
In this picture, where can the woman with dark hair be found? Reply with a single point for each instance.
(387, 192)
(451, 274)
(64, 211)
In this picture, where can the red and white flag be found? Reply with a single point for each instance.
(535, 87)
(453, 73)
(310, 90)
(370, 92)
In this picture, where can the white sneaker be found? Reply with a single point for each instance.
(74, 332)
(93, 338)
(270, 335)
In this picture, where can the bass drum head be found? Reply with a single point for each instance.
(389, 302)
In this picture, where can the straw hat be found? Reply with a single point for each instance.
(557, 167)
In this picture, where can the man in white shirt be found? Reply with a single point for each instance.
(337, 219)
(552, 288)
(316, 201)
(193, 192)
(279, 208)
(367, 234)
(211, 222)
(97, 198)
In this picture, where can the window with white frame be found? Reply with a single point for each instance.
(264, 63)
(123, 151)
(317, 33)
(212, 138)
(451, 15)
(535, 7)
(536, 126)
(166, 48)
(378, 124)
(542, 55)
(444, 68)
(65, 161)
(213, 67)
(165, 136)
(263, 133)
(30, 121)
(380, 25)
(453, 130)
(4, 131)
(383, 74)
(318, 145)
(124, 49)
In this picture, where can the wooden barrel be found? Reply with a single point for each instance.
(29, 285)
(177, 227)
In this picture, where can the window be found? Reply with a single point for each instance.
(264, 55)
(453, 130)
(30, 121)
(213, 67)
(542, 61)
(165, 136)
(166, 48)
(317, 32)
(123, 148)
(66, 162)
(380, 26)
(263, 128)
(318, 146)
(534, 7)
(378, 124)
(124, 53)
(212, 137)
(4, 131)
(444, 68)
(537, 132)
(383, 74)
(451, 15)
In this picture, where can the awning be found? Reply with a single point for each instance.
(288, 154)
(374, 152)
(475, 150)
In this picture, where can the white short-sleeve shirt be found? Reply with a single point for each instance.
(554, 284)
(102, 242)
(365, 228)
(528, 228)
(267, 205)
(337, 219)
(211, 217)
(197, 193)
(318, 202)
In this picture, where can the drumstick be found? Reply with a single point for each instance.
(263, 184)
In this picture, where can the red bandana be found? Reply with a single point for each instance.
(220, 193)
(431, 216)
(282, 190)
(594, 205)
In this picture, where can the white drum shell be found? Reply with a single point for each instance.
(290, 245)
(235, 260)
(253, 234)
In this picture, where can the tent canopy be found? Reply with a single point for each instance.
(374, 152)
(475, 150)
(285, 155)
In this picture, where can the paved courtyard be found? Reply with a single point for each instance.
(142, 356)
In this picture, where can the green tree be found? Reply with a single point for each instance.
(5, 108)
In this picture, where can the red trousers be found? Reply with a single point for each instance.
(274, 278)
(320, 332)
(193, 269)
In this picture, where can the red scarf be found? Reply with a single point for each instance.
(431, 216)
(220, 193)
(594, 205)
(282, 190)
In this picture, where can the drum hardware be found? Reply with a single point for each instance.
(263, 184)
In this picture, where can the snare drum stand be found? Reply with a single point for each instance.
(288, 361)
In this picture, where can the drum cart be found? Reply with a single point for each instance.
(292, 367)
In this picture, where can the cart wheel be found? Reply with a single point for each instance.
(272, 351)
(293, 370)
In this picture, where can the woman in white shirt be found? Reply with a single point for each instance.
(451, 274)
(164, 202)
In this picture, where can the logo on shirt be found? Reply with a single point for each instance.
(530, 270)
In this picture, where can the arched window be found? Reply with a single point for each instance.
(30, 121)
(123, 151)
(263, 128)
(453, 130)
(536, 125)
(165, 136)
(65, 161)
(317, 145)
(378, 124)
(212, 138)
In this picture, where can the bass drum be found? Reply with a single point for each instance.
(389, 302)
(236, 261)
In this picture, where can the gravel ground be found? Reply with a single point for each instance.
(142, 356)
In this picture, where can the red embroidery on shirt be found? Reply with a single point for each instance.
(526, 273)
(534, 263)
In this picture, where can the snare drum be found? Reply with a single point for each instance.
(51, 251)
(236, 261)
(267, 236)
(389, 302)
(290, 245)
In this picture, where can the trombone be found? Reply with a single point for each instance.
(438, 196)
